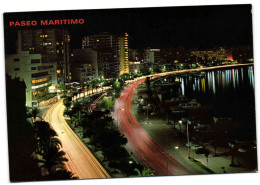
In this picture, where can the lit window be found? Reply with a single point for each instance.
(41, 80)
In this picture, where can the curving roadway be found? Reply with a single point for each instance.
(81, 161)
(141, 143)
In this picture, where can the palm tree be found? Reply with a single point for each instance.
(35, 112)
(105, 83)
(144, 173)
(43, 147)
(44, 134)
(116, 85)
(43, 128)
(83, 88)
(54, 157)
(79, 91)
(97, 86)
(63, 89)
(77, 118)
(76, 107)
(93, 85)
(68, 112)
(29, 115)
(148, 82)
(88, 87)
(100, 82)
(62, 175)
(54, 142)
(75, 93)
(67, 103)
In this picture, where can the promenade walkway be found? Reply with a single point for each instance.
(174, 144)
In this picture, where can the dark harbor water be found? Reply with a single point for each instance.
(226, 92)
(216, 81)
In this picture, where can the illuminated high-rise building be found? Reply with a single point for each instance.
(112, 51)
(123, 54)
(152, 56)
(52, 44)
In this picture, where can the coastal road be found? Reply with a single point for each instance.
(143, 146)
(81, 161)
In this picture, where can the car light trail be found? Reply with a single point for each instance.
(81, 161)
(143, 146)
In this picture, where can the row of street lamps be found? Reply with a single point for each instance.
(188, 138)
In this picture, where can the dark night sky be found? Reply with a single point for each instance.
(190, 27)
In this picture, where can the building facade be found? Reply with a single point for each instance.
(123, 53)
(52, 44)
(84, 65)
(134, 67)
(37, 75)
(112, 52)
(152, 56)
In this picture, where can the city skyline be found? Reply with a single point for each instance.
(163, 27)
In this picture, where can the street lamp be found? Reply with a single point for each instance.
(188, 139)
(180, 122)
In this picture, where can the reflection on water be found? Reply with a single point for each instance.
(224, 93)
(218, 81)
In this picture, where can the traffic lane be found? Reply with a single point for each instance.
(144, 147)
(81, 160)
